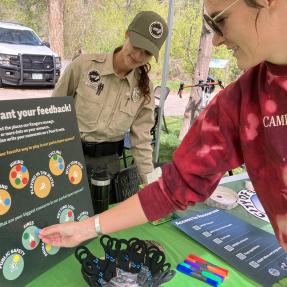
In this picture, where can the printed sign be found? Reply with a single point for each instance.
(42, 182)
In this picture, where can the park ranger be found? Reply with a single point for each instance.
(113, 94)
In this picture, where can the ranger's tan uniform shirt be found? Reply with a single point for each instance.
(106, 115)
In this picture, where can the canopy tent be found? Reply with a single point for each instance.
(214, 64)
(165, 69)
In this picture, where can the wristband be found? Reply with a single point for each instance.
(97, 225)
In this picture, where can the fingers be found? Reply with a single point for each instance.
(51, 235)
(59, 235)
(59, 240)
(50, 230)
(53, 239)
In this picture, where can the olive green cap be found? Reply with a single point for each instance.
(148, 31)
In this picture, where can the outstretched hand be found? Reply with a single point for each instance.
(68, 234)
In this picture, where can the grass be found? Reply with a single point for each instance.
(172, 85)
(170, 141)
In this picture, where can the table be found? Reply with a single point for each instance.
(176, 244)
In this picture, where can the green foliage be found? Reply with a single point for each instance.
(186, 35)
(222, 53)
(100, 25)
(31, 13)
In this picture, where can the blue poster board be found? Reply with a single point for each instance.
(252, 251)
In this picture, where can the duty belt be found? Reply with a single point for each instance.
(102, 149)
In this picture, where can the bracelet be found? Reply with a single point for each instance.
(97, 225)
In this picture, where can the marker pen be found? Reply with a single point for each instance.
(203, 268)
(210, 267)
(186, 270)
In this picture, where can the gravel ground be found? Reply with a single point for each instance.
(174, 106)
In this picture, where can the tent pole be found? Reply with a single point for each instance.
(164, 77)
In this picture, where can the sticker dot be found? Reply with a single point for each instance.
(26, 235)
(13, 174)
(16, 258)
(17, 181)
(7, 201)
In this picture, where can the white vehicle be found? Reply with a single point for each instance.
(25, 59)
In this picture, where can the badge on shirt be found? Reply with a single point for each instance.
(94, 77)
(94, 81)
(136, 95)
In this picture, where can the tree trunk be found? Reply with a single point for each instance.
(56, 26)
(201, 72)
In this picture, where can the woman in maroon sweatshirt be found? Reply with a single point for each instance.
(244, 123)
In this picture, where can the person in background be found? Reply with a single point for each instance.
(245, 123)
(113, 95)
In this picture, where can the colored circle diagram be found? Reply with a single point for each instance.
(42, 186)
(5, 201)
(57, 164)
(13, 266)
(67, 215)
(51, 250)
(75, 174)
(30, 239)
(19, 176)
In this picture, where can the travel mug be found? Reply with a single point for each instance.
(100, 189)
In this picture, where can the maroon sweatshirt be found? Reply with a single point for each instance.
(245, 123)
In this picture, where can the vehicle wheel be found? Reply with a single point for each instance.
(1, 85)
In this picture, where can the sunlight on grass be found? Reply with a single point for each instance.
(170, 141)
(173, 85)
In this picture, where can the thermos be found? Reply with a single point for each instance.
(100, 190)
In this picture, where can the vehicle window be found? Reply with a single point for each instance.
(19, 37)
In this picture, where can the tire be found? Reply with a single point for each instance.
(1, 84)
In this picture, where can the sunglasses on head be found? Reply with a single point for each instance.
(212, 22)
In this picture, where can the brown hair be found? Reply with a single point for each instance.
(143, 80)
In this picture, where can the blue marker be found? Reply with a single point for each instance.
(183, 267)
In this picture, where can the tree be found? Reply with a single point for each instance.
(201, 72)
(56, 25)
